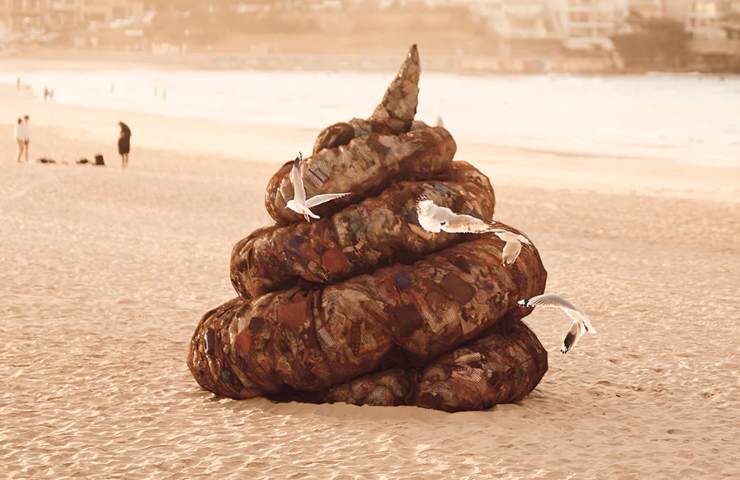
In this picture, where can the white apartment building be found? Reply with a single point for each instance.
(105, 11)
(592, 18)
(22, 15)
(19, 15)
(707, 19)
(512, 19)
(647, 8)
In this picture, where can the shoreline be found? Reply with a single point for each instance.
(369, 62)
(515, 165)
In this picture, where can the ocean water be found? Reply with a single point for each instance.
(684, 118)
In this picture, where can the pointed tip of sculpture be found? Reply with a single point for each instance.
(398, 107)
(414, 53)
(410, 68)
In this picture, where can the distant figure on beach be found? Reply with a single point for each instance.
(46, 94)
(18, 83)
(51, 94)
(124, 143)
(112, 88)
(164, 94)
(22, 138)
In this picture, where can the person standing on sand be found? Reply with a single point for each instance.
(124, 143)
(22, 137)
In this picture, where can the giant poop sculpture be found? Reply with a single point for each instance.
(365, 306)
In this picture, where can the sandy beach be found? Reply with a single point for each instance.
(105, 273)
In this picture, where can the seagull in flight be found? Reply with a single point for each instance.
(435, 219)
(513, 245)
(581, 324)
(299, 203)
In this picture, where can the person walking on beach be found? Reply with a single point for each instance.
(22, 138)
(124, 143)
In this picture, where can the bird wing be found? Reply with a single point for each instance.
(511, 251)
(461, 223)
(581, 323)
(504, 235)
(581, 318)
(317, 200)
(299, 193)
(508, 236)
(574, 333)
(431, 216)
(552, 300)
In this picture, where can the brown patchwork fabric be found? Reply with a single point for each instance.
(360, 238)
(311, 339)
(365, 306)
(394, 114)
(501, 366)
(363, 167)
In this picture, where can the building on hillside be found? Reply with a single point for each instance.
(588, 24)
(23, 15)
(713, 19)
(705, 19)
(106, 11)
(62, 15)
(521, 19)
(510, 18)
(715, 29)
(646, 9)
(527, 39)
(677, 9)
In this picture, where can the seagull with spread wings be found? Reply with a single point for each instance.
(435, 219)
(580, 326)
(299, 203)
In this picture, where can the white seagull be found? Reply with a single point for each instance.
(513, 245)
(581, 324)
(299, 204)
(435, 219)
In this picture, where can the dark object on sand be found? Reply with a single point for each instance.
(83, 161)
(99, 160)
(46, 160)
(365, 306)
